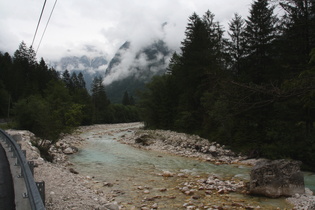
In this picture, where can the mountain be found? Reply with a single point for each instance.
(89, 66)
(130, 70)
(116, 60)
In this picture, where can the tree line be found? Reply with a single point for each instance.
(49, 103)
(252, 91)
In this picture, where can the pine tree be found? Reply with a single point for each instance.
(99, 98)
(192, 72)
(24, 69)
(298, 34)
(6, 71)
(22, 53)
(260, 32)
(31, 56)
(195, 71)
(66, 78)
(81, 81)
(126, 99)
(158, 103)
(74, 81)
(237, 43)
(132, 101)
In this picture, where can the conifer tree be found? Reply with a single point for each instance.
(260, 32)
(194, 59)
(81, 81)
(298, 34)
(99, 98)
(126, 99)
(21, 54)
(237, 43)
(67, 79)
(74, 82)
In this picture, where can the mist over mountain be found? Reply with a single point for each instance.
(89, 66)
(129, 70)
(84, 63)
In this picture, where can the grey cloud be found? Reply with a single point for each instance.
(103, 24)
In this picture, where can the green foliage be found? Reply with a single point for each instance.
(4, 103)
(48, 117)
(259, 99)
(298, 35)
(121, 113)
(260, 33)
(99, 100)
(33, 114)
(156, 103)
(238, 43)
(73, 117)
(41, 101)
(126, 100)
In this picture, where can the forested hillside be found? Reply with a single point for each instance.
(253, 91)
(42, 100)
(252, 88)
(148, 61)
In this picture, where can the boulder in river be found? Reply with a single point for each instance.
(144, 140)
(276, 178)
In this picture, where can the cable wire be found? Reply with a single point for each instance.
(46, 26)
(40, 17)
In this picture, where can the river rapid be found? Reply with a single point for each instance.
(141, 179)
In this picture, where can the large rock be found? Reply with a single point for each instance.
(144, 140)
(277, 178)
(70, 150)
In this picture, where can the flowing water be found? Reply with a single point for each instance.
(135, 180)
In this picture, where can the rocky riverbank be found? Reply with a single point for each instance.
(66, 189)
(195, 147)
(184, 145)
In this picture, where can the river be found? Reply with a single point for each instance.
(133, 177)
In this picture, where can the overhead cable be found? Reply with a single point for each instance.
(46, 26)
(40, 17)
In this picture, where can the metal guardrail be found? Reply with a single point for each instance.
(33, 193)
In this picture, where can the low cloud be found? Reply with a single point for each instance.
(98, 28)
(135, 62)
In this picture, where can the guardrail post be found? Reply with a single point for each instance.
(41, 189)
(31, 164)
(35, 192)
(17, 163)
(24, 152)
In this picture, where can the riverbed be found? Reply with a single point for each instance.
(141, 179)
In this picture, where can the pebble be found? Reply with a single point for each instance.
(189, 192)
(154, 206)
(167, 174)
(173, 144)
(196, 197)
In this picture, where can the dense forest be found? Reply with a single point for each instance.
(251, 88)
(48, 103)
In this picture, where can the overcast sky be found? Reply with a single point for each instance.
(100, 27)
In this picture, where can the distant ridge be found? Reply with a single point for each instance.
(139, 72)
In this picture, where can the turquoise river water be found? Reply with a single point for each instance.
(132, 171)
